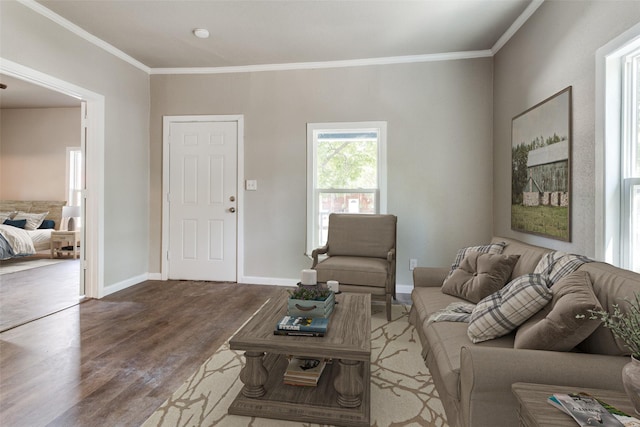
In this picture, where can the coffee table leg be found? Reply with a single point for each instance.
(349, 384)
(253, 375)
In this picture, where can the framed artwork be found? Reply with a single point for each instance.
(541, 168)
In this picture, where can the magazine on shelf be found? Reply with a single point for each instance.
(586, 410)
(304, 371)
(305, 324)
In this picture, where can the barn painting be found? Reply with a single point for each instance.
(541, 168)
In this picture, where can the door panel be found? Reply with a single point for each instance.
(202, 183)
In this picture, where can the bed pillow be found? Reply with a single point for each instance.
(479, 275)
(559, 326)
(47, 224)
(18, 223)
(491, 248)
(6, 215)
(505, 310)
(33, 219)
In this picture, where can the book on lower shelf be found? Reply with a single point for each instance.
(304, 371)
(587, 410)
(303, 324)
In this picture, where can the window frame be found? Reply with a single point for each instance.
(613, 184)
(313, 192)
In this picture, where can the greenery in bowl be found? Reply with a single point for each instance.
(310, 294)
(625, 326)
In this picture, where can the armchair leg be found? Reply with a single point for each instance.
(388, 307)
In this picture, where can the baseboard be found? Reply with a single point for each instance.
(108, 290)
(253, 280)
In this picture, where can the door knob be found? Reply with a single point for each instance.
(232, 210)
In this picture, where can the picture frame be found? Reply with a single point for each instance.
(541, 168)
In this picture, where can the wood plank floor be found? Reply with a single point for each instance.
(112, 362)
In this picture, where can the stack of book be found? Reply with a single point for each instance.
(304, 371)
(302, 326)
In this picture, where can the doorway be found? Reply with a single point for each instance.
(92, 236)
(202, 200)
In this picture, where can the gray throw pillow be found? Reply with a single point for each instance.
(479, 275)
(556, 327)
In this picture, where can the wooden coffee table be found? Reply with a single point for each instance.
(342, 396)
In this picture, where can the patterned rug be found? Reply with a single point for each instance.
(402, 391)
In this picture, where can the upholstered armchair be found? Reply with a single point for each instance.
(360, 254)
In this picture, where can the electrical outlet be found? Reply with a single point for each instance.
(413, 263)
(251, 185)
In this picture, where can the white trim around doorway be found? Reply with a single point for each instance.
(94, 197)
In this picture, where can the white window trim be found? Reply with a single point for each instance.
(608, 168)
(381, 127)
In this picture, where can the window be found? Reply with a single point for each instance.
(346, 172)
(74, 178)
(630, 167)
(617, 216)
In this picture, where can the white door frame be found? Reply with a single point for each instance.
(93, 244)
(166, 124)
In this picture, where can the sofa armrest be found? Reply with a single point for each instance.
(429, 276)
(487, 373)
(321, 250)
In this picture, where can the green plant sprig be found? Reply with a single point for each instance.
(624, 326)
(310, 294)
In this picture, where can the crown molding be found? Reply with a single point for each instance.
(519, 22)
(327, 64)
(47, 13)
(448, 56)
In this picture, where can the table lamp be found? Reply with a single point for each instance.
(71, 212)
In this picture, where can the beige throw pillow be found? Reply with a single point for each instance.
(556, 327)
(479, 275)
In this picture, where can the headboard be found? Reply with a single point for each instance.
(35, 206)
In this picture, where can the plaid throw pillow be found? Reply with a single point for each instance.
(491, 248)
(505, 310)
(556, 265)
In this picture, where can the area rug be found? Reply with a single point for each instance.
(11, 266)
(402, 390)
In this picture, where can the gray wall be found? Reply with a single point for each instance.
(31, 40)
(555, 49)
(33, 149)
(439, 152)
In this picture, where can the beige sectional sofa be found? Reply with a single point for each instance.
(474, 380)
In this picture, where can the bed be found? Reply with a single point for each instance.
(16, 242)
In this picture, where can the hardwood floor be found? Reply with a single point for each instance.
(113, 361)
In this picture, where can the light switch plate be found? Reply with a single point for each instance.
(251, 185)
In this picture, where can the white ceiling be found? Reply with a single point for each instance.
(20, 94)
(157, 34)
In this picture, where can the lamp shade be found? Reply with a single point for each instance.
(71, 211)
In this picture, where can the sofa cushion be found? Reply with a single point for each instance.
(556, 326)
(353, 270)
(502, 312)
(491, 248)
(479, 275)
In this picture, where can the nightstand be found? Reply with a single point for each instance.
(65, 243)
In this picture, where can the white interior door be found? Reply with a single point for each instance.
(203, 200)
